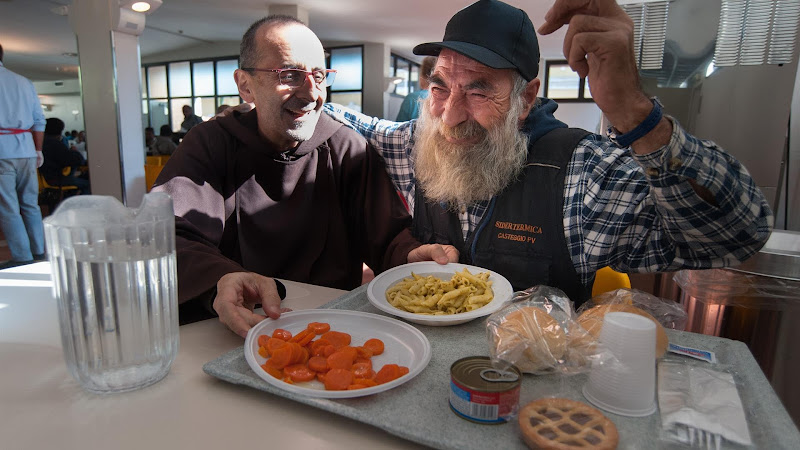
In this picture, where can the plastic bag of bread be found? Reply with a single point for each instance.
(534, 333)
(665, 313)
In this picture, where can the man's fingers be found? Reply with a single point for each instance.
(587, 24)
(266, 293)
(236, 295)
(452, 253)
(229, 316)
(561, 13)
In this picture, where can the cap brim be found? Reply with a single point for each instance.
(476, 52)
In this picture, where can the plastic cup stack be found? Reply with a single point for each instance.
(625, 384)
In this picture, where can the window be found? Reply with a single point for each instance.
(564, 85)
(348, 87)
(406, 73)
(201, 84)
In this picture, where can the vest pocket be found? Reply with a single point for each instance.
(521, 270)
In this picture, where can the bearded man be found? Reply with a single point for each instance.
(490, 170)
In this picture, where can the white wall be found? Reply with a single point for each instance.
(580, 115)
(201, 51)
(62, 98)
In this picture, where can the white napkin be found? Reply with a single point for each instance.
(699, 404)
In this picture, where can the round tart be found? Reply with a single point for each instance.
(560, 423)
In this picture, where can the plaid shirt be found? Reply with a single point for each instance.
(635, 213)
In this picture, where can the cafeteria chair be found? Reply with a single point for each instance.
(151, 172)
(608, 279)
(52, 195)
(158, 160)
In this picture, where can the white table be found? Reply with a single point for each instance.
(42, 406)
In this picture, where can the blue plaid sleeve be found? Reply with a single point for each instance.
(393, 140)
(639, 213)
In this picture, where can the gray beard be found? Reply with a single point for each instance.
(464, 174)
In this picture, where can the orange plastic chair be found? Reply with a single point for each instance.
(608, 279)
(151, 172)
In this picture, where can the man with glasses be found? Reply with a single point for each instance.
(282, 190)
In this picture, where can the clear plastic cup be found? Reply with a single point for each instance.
(625, 384)
(115, 282)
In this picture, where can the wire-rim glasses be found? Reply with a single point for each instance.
(295, 78)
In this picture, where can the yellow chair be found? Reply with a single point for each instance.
(608, 279)
(52, 195)
(151, 172)
(158, 160)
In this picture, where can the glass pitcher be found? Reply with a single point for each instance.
(115, 281)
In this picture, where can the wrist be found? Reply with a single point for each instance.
(624, 137)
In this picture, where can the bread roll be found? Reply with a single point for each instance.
(531, 339)
(592, 321)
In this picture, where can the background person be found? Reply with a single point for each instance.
(282, 190)
(159, 145)
(21, 134)
(57, 156)
(490, 170)
(409, 109)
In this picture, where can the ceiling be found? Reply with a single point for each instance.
(35, 39)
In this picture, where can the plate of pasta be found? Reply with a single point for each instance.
(433, 294)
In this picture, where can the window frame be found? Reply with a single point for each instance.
(330, 89)
(411, 86)
(191, 99)
(582, 84)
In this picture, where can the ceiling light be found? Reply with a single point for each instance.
(140, 6)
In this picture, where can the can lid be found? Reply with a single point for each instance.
(494, 375)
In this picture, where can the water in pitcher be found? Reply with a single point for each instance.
(115, 283)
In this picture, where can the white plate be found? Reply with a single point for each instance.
(404, 345)
(376, 292)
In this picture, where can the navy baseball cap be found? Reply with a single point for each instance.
(493, 33)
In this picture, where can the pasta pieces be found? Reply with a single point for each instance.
(431, 295)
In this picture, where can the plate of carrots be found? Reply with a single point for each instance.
(331, 353)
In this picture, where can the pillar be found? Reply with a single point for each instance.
(110, 72)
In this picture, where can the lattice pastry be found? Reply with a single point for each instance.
(560, 423)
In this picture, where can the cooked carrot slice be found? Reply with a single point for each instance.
(368, 382)
(328, 350)
(387, 373)
(337, 338)
(403, 370)
(363, 370)
(321, 377)
(263, 352)
(319, 327)
(303, 337)
(277, 373)
(281, 357)
(318, 347)
(318, 364)
(364, 352)
(375, 345)
(262, 340)
(282, 334)
(341, 360)
(338, 379)
(299, 372)
(273, 344)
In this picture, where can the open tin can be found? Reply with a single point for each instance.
(481, 393)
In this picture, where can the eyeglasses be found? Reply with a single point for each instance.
(295, 78)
